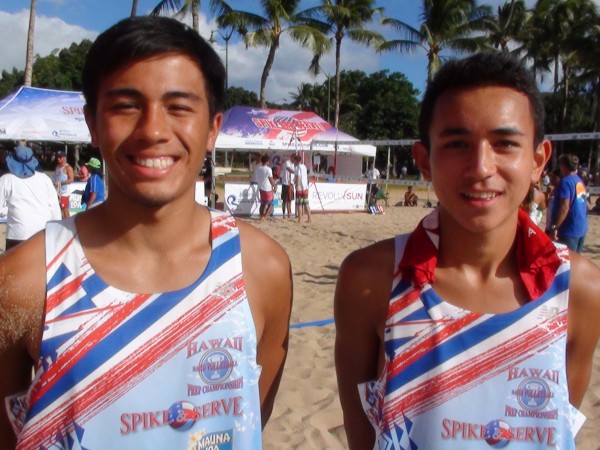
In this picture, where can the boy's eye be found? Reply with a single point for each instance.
(122, 106)
(506, 144)
(455, 144)
(179, 107)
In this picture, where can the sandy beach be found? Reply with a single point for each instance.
(307, 413)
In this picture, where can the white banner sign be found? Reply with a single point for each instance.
(243, 199)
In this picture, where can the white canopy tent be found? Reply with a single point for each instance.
(276, 131)
(252, 129)
(35, 114)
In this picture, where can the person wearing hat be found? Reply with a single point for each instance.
(29, 195)
(63, 176)
(94, 188)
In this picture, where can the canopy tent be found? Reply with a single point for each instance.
(255, 129)
(35, 114)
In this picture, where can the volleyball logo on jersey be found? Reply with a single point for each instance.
(533, 393)
(216, 365)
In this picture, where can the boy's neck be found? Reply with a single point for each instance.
(485, 251)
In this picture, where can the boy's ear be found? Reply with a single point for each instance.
(90, 120)
(421, 156)
(541, 156)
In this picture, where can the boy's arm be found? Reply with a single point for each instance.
(22, 292)
(268, 280)
(583, 325)
(70, 175)
(360, 309)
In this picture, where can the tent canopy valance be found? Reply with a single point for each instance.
(35, 114)
(254, 129)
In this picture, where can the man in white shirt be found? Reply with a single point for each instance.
(301, 175)
(266, 186)
(30, 196)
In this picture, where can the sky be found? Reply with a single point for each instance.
(59, 23)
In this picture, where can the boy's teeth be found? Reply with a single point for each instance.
(157, 163)
(485, 195)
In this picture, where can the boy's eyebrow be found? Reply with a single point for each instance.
(509, 131)
(461, 131)
(455, 131)
(132, 92)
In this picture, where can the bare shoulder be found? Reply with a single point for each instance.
(583, 331)
(261, 252)
(585, 287)
(267, 275)
(22, 294)
(365, 279)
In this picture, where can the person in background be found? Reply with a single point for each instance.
(301, 180)
(569, 218)
(535, 203)
(287, 186)
(410, 197)
(84, 173)
(63, 176)
(266, 187)
(476, 326)
(29, 195)
(93, 193)
(553, 179)
(147, 318)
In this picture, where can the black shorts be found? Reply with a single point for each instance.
(287, 193)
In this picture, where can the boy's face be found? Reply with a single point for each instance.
(153, 128)
(481, 160)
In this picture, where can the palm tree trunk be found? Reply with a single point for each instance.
(266, 70)
(566, 78)
(134, 5)
(195, 15)
(30, 36)
(338, 51)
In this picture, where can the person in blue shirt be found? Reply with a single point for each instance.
(569, 217)
(94, 189)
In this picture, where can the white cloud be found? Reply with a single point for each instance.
(50, 33)
(245, 65)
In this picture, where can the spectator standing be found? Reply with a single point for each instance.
(63, 176)
(93, 193)
(266, 187)
(569, 221)
(287, 186)
(30, 197)
(373, 175)
(84, 173)
(301, 180)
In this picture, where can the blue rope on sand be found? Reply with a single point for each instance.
(316, 323)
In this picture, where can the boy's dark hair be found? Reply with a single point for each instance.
(264, 159)
(137, 38)
(490, 68)
(571, 162)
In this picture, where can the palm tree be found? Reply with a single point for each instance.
(508, 25)
(279, 17)
(347, 18)
(451, 24)
(183, 8)
(555, 32)
(30, 35)
(134, 5)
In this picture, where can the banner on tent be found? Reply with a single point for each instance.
(242, 199)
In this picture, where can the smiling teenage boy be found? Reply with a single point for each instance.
(147, 318)
(474, 330)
